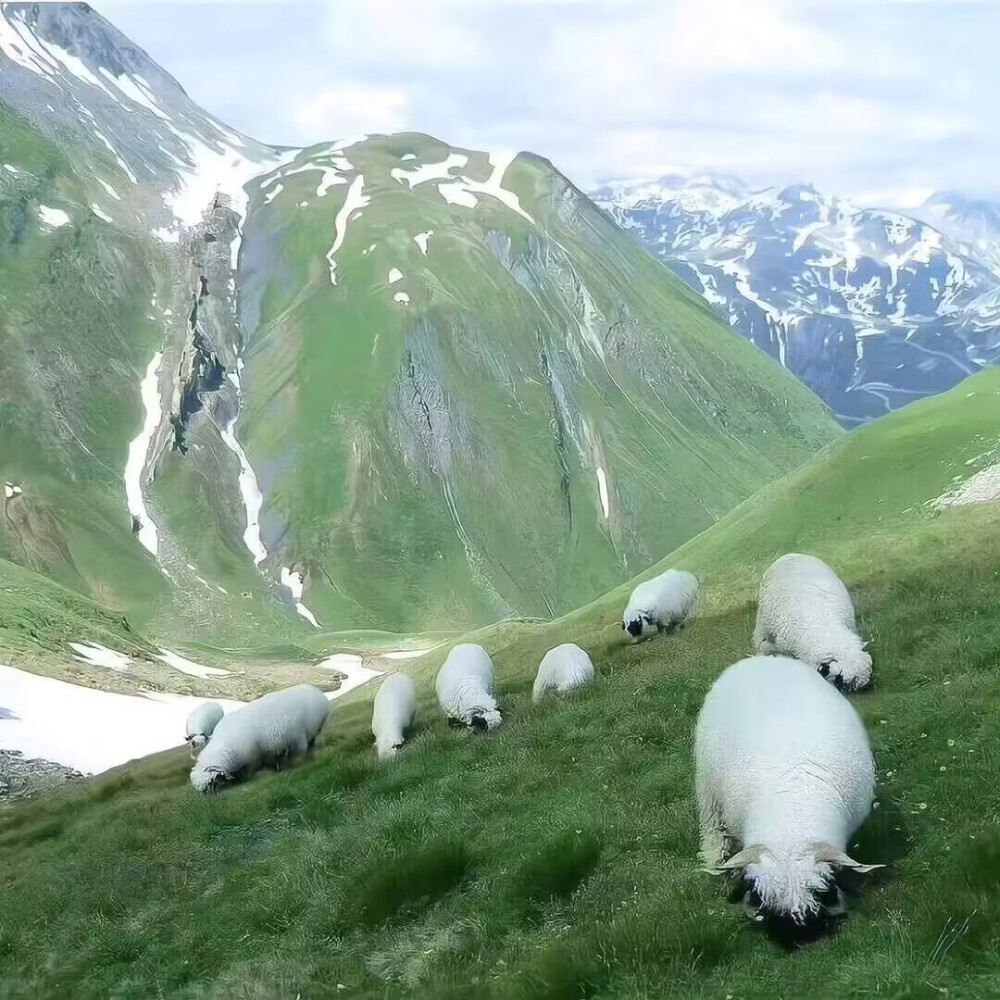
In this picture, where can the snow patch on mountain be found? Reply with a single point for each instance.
(458, 189)
(96, 655)
(250, 493)
(296, 585)
(138, 452)
(189, 667)
(107, 187)
(354, 202)
(54, 218)
(48, 714)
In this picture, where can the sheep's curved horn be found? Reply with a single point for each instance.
(748, 856)
(825, 852)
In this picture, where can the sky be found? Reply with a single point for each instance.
(883, 102)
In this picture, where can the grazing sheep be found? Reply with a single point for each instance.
(201, 724)
(465, 688)
(393, 711)
(271, 731)
(805, 611)
(784, 776)
(562, 668)
(661, 604)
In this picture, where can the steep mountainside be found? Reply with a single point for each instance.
(383, 383)
(872, 309)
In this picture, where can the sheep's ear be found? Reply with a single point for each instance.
(825, 852)
(866, 645)
(748, 856)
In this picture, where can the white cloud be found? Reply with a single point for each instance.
(399, 34)
(902, 197)
(354, 108)
(856, 96)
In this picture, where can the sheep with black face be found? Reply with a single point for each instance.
(661, 604)
(201, 724)
(269, 732)
(784, 776)
(464, 688)
(805, 611)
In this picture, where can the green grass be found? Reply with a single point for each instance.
(557, 857)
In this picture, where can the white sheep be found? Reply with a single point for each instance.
(661, 604)
(271, 731)
(805, 611)
(562, 668)
(784, 776)
(392, 713)
(201, 724)
(465, 688)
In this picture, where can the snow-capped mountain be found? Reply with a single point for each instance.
(379, 382)
(871, 308)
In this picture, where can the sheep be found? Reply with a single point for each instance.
(805, 611)
(784, 776)
(661, 604)
(464, 688)
(201, 724)
(270, 731)
(392, 712)
(562, 668)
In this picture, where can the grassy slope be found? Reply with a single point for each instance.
(687, 418)
(556, 859)
(75, 337)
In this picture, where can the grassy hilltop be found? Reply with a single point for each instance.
(557, 858)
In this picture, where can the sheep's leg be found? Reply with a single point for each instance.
(764, 641)
(298, 747)
(714, 843)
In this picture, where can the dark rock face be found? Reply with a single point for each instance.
(22, 777)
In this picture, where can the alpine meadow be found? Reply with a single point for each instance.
(283, 418)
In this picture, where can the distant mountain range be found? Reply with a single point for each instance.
(870, 308)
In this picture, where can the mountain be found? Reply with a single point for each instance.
(971, 222)
(871, 309)
(384, 383)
